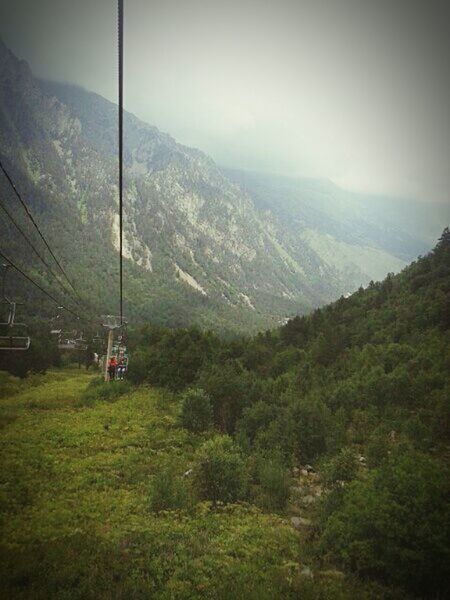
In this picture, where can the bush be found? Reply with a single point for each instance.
(98, 390)
(138, 367)
(256, 418)
(394, 526)
(196, 410)
(310, 419)
(169, 491)
(229, 387)
(188, 349)
(377, 450)
(343, 467)
(220, 471)
(9, 385)
(273, 483)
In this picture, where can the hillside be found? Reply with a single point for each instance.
(359, 389)
(363, 237)
(307, 462)
(199, 249)
(76, 512)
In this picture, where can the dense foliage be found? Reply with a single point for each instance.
(196, 410)
(359, 388)
(219, 473)
(339, 420)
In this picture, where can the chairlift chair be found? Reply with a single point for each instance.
(14, 336)
(80, 342)
(66, 340)
(97, 340)
(56, 327)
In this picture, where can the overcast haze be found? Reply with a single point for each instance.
(357, 92)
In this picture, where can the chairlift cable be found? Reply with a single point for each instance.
(28, 278)
(120, 148)
(30, 216)
(27, 239)
(120, 115)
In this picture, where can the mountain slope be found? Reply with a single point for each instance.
(197, 247)
(362, 237)
(359, 391)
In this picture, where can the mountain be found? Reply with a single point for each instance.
(343, 417)
(331, 483)
(363, 237)
(201, 245)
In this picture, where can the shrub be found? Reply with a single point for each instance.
(138, 368)
(9, 385)
(169, 491)
(256, 418)
(343, 467)
(394, 525)
(229, 387)
(196, 410)
(377, 450)
(98, 391)
(272, 491)
(220, 471)
(310, 420)
(188, 349)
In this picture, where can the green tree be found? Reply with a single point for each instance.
(310, 422)
(255, 418)
(169, 490)
(196, 410)
(395, 525)
(273, 482)
(219, 473)
(229, 387)
(341, 468)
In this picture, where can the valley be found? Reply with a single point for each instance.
(202, 245)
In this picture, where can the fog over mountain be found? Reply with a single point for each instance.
(202, 244)
(354, 92)
(225, 325)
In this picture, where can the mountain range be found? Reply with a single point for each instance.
(224, 249)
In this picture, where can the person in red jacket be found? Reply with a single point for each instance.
(112, 368)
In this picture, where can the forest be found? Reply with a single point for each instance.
(324, 441)
(360, 388)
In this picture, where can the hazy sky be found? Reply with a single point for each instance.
(354, 91)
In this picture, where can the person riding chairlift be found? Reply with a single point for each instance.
(112, 368)
(120, 369)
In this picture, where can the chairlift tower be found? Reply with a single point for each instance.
(111, 323)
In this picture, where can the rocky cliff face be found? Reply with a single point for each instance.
(181, 209)
(198, 248)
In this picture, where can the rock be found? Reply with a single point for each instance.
(310, 468)
(297, 490)
(307, 500)
(295, 522)
(299, 522)
(295, 471)
(306, 572)
(188, 472)
(332, 574)
(304, 472)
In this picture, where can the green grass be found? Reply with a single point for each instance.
(75, 488)
(77, 506)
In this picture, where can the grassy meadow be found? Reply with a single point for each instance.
(76, 486)
(80, 486)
